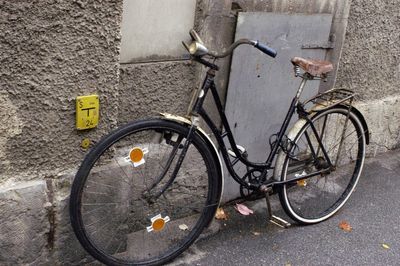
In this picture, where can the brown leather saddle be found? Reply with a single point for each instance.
(312, 66)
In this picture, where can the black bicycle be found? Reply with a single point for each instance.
(145, 192)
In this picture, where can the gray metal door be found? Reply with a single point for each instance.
(261, 88)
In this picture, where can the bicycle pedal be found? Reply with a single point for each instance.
(279, 222)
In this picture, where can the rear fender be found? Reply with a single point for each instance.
(363, 122)
(280, 159)
(357, 112)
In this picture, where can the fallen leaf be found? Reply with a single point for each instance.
(345, 226)
(385, 246)
(256, 233)
(243, 209)
(183, 227)
(221, 215)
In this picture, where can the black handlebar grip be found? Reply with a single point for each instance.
(265, 49)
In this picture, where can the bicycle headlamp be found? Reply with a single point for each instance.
(197, 49)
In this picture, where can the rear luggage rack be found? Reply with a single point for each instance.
(331, 98)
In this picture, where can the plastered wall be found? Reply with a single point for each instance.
(50, 51)
(370, 65)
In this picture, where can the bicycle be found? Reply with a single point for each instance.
(145, 192)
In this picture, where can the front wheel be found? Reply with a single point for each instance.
(316, 198)
(129, 203)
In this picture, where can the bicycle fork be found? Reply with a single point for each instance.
(178, 163)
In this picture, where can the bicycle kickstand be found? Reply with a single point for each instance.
(273, 218)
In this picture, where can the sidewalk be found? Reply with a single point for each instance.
(373, 211)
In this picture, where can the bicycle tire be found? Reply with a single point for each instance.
(115, 230)
(317, 198)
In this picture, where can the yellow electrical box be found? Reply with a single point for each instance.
(87, 111)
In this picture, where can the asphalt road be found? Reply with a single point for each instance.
(373, 212)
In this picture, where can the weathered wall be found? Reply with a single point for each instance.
(371, 54)
(51, 52)
(370, 65)
(148, 89)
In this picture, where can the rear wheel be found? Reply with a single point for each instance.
(128, 208)
(314, 199)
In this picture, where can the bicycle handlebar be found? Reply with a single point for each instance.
(265, 49)
(197, 47)
(230, 49)
(262, 47)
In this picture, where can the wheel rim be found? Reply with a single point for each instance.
(317, 198)
(125, 218)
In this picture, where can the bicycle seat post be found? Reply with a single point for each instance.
(301, 87)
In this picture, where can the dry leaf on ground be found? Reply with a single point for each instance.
(243, 209)
(345, 226)
(183, 227)
(385, 246)
(221, 215)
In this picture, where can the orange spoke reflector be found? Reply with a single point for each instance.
(302, 183)
(158, 223)
(136, 155)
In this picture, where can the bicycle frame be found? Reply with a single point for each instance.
(197, 109)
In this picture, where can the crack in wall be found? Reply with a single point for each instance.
(51, 214)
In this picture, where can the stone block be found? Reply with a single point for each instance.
(66, 248)
(24, 223)
(383, 119)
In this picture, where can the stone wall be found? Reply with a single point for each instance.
(370, 65)
(51, 52)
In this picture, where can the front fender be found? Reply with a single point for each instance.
(206, 138)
